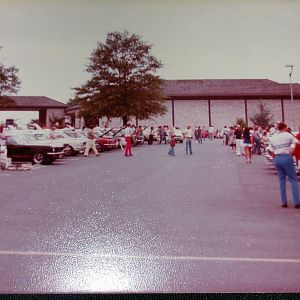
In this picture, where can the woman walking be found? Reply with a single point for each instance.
(247, 140)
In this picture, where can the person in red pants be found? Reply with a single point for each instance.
(128, 139)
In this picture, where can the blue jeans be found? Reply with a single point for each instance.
(285, 166)
(171, 151)
(188, 145)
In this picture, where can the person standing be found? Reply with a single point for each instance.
(211, 130)
(232, 141)
(128, 140)
(238, 140)
(199, 133)
(247, 142)
(297, 150)
(281, 145)
(188, 142)
(256, 141)
(91, 142)
(151, 134)
(226, 132)
(172, 145)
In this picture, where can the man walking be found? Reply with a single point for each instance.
(281, 145)
(91, 142)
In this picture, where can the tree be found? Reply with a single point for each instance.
(123, 81)
(9, 84)
(263, 117)
(241, 122)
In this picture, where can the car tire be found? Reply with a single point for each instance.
(181, 142)
(39, 158)
(70, 152)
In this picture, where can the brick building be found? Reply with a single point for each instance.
(222, 101)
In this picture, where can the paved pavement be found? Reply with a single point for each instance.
(206, 222)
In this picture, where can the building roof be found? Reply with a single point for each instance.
(37, 102)
(229, 88)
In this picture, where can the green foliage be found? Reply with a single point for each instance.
(123, 81)
(9, 84)
(263, 117)
(74, 101)
(241, 122)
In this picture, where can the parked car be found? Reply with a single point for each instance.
(24, 148)
(107, 141)
(146, 133)
(77, 145)
(178, 135)
(43, 138)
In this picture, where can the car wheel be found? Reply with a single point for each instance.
(38, 158)
(181, 142)
(70, 151)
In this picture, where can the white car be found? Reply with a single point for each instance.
(178, 135)
(42, 137)
(75, 145)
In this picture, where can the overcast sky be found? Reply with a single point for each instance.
(50, 41)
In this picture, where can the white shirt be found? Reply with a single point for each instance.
(188, 133)
(127, 132)
(282, 143)
(211, 129)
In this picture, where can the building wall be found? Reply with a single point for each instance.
(226, 112)
(223, 112)
(190, 112)
(288, 112)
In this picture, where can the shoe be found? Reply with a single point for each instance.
(297, 206)
(97, 155)
(130, 154)
(285, 205)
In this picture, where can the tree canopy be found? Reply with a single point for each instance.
(123, 80)
(9, 84)
(263, 117)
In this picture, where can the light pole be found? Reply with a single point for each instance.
(292, 96)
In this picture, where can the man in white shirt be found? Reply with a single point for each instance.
(128, 137)
(211, 131)
(188, 134)
(281, 144)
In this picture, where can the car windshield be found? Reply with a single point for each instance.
(19, 140)
(74, 134)
(40, 136)
(58, 135)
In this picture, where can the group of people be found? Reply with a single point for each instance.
(282, 144)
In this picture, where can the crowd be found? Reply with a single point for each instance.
(279, 140)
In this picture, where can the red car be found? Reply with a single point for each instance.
(107, 141)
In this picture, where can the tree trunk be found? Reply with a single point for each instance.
(125, 120)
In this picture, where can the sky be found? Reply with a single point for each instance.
(50, 41)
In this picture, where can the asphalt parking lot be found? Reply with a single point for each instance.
(206, 222)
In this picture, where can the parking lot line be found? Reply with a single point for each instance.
(174, 258)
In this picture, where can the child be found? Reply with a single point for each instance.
(172, 145)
